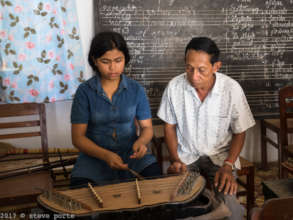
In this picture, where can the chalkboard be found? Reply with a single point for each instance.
(255, 38)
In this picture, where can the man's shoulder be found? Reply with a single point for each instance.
(228, 81)
(177, 81)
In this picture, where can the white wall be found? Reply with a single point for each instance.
(58, 114)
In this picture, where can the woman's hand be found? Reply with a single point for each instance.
(225, 180)
(139, 150)
(115, 161)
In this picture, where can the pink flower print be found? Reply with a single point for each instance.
(34, 92)
(18, 9)
(14, 85)
(67, 77)
(64, 22)
(71, 66)
(53, 99)
(1, 16)
(62, 32)
(21, 57)
(30, 45)
(51, 84)
(51, 54)
(54, 11)
(58, 58)
(6, 82)
(49, 38)
(10, 37)
(2, 34)
(48, 7)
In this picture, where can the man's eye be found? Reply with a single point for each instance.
(189, 68)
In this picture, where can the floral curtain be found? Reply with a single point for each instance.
(41, 57)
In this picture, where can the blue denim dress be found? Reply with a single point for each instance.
(91, 106)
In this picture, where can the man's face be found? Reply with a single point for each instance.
(200, 71)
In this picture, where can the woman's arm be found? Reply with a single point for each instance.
(146, 135)
(85, 145)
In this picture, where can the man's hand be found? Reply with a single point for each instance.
(139, 150)
(177, 167)
(225, 180)
(115, 161)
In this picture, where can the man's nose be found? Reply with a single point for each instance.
(195, 74)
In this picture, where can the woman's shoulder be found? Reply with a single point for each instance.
(90, 83)
(131, 83)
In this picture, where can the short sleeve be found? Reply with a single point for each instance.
(166, 110)
(242, 117)
(143, 111)
(80, 107)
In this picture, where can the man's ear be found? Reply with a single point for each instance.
(217, 65)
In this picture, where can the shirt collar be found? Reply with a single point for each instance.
(95, 83)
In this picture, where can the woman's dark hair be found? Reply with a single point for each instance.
(204, 44)
(105, 41)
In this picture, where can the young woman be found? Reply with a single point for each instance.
(103, 117)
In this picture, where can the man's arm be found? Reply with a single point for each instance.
(236, 146)
(177, 165)
(224, 176)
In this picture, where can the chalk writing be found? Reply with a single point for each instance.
(255, 38)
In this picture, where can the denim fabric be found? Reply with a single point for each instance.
(91, 106)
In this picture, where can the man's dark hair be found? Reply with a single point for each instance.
(204, 44)
(105, 41)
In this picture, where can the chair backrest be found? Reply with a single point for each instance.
(286, 112)
(277, 209)
(26, 109)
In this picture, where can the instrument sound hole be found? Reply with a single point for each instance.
(117, 195)
(156, 191)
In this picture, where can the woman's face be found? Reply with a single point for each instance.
(111, 64)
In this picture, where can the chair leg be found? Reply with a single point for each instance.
(250, 190)
(158, 146)
(264, 160)
(280, 158)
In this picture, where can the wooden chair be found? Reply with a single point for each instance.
(23, 188)
(274, 125)
(247, 168)
(274, 209)
(21, 110)
(286, 114)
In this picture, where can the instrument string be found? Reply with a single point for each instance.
(130, 187)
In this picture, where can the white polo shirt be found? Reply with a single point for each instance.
(205, 128)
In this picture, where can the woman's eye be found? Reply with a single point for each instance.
(105, 61)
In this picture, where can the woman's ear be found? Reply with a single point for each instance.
(94, 61)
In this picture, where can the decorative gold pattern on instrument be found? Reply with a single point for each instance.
(65, 201)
